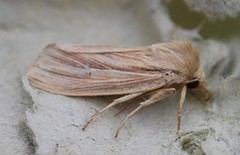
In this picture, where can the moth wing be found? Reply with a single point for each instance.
(76, 70)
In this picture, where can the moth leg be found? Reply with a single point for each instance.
(115, 102)
(180, 107)
(125, 107)
(173, 34)
(159, 95)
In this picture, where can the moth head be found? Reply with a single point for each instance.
(198, 82)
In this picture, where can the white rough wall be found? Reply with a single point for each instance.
(47, 124)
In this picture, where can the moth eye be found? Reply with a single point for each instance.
(168, 73)
(193, 85)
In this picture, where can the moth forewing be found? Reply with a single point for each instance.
(76, 70)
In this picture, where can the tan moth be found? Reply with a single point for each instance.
(157, 70)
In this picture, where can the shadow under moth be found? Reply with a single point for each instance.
(157, 70)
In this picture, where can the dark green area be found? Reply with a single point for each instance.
(187, 18)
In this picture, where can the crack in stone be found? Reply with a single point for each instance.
(29, 137)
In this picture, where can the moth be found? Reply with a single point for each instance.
(157, 70)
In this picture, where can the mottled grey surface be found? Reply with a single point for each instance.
(216, 8)
(36, 122)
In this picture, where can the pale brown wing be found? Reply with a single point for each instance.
(76, 70)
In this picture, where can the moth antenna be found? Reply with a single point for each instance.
(209, 94)
(180, 107)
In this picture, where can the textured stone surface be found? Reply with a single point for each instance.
(216, 8)
(36, 122)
